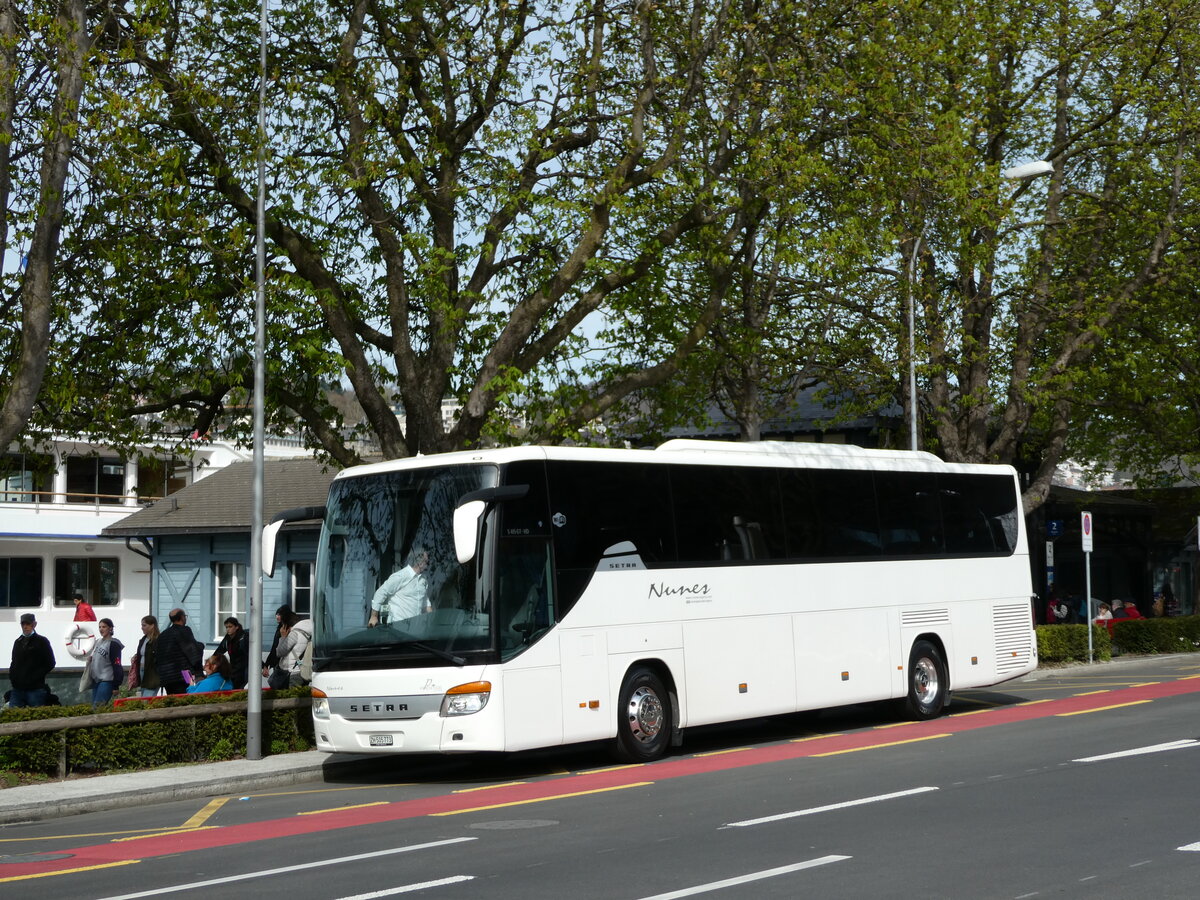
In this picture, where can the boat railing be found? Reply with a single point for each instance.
(73, 500)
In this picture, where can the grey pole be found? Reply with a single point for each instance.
(912, 341)
(254, 611)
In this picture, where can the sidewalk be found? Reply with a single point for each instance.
(51, 799)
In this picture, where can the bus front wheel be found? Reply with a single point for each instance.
(643, 717)
(927, 682)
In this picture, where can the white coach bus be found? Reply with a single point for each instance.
(574, 594)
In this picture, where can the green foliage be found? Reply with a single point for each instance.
(150, 744)
(1168, 635)
(561, 213)
(1064, 643)
(1069, 643)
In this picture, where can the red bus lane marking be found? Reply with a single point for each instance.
(572, 785)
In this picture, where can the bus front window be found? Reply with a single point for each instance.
(390, 589)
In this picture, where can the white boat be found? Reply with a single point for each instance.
(54, 506)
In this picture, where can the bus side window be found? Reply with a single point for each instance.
(525, 605)
(910, 522)
(728, 514)
(830, 514)
(979, 512)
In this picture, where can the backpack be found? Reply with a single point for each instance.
(306, 663)
(304, 668)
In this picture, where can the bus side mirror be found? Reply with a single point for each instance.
(270, 534)
(466, 529)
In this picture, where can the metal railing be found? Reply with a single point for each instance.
(72, 500)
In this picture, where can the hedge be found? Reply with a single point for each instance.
(1065, 643)
(1062, 643)
(148, 744)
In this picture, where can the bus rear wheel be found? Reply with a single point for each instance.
(643, 718)
(927, 682)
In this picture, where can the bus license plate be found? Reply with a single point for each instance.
(380, 740)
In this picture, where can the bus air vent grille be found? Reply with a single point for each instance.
(923, 618)
(1014, 637)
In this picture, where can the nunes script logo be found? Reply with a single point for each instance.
(691, 593)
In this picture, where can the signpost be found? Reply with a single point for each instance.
(1085, 529)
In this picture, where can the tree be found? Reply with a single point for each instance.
(455, 189)
(45, 54)
(1015, 301)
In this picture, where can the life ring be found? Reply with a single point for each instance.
(80, 639)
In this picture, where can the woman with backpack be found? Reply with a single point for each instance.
(295, 634)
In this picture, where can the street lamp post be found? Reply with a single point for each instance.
(1023, 172)
(254, 607)
(912, 341)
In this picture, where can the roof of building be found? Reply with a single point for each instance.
(812, 410)
(222, 502)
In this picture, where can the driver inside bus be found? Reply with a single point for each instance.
(404, 594)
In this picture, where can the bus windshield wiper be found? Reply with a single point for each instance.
(440, 654)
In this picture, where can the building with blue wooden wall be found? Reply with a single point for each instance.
(198, 541)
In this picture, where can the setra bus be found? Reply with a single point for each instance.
(573, 594)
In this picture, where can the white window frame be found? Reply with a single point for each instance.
(230, 594)
(295, 590)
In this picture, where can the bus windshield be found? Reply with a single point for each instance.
(390, 590)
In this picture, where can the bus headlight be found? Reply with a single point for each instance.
(466, 699)
(320, 704)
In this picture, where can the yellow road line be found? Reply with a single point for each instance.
(719, 752)
(815, 737)
(618, 787)
(879, 746)
(124, 862)
(71, 837)
(162, 834)
(205, 814)
(971, 712)
(1083, 712)
(616, 768)
(488, 787)
(1089, 693)
(333, 790)
(1035, 702)
(317, 812)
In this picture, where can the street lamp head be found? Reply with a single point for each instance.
(1028, 170)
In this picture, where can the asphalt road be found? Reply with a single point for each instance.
(1077, 783)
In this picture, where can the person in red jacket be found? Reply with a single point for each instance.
(83, 610)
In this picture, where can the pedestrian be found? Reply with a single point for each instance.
(103, 665)
(1057, 611)
(216, 676)
(178, 652)
(1170, 604)
(1105, 613)
(83, 609)
(235, 646)
(294, 637)
(273, 653)
(143, 672)
(1126, 609)
(32, 661)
